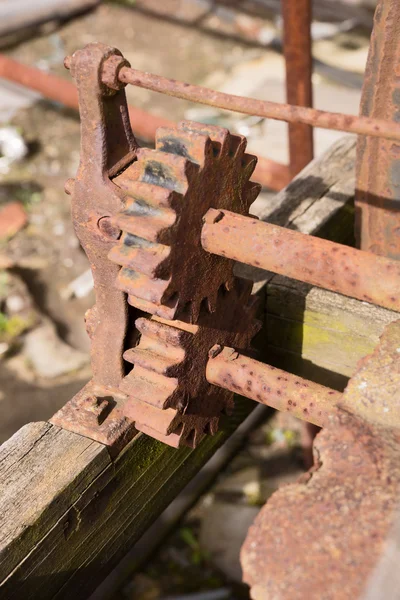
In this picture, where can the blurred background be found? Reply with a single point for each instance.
(45, 281)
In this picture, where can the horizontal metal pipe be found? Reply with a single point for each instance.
(58, 89)
(328, 265)
(261, 108)
(271, 386)
(268, 172)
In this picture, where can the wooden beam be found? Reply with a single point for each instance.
(318, 334)
(68, 513)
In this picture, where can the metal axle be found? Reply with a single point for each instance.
(317, 261)
(273, 387)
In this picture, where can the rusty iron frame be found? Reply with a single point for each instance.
(312, 260)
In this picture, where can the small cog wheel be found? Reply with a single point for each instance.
(168, 395)
(165, 270)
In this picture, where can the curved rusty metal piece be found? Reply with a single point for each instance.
(168, 191)
(324, 536)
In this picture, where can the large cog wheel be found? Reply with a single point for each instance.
(165, 270)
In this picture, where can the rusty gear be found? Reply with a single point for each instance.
(169, 396)
(168, 190)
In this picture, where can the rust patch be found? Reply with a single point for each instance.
(378, 165)
(271, 386)
(323, 538)
(332, 266)
(374, 390)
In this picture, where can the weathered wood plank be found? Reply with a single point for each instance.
(42, 470)
(319, 334)
(93, 512)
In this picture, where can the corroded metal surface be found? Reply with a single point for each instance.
(169, 395)
(107, 145)
(298, 61)
(268, 172)
(374, 390)
(98, 414)
(322, 538)
(168, 191)
(378, 160)
(303, 257)
(63, 91)
(331, 527)
(262, 108)
(268, 385)
(157, 198)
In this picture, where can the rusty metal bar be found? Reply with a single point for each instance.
(261, 108)
(298, 59)
(58, 89)
(332, 266)
(378, 161)
(268, 172)
(268, 385)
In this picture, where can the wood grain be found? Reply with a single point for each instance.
(70, 514)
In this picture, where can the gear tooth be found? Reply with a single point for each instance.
(161, 332)
(191, 436)
(171, 439)
(238, 144)
(140, 285)
(152, 224)
(148, 307)
(219, 135)
(192, 145)
(195, 309)
(150, 387)
(140, 255)
(147, 416)
(253, 304)
(250, 193)
(212, 302)
(157, 309)
(166, 170)
(164, 361)
(146, 194)
(248, 164)
(229, 283)
(241, 289)
(257, 326)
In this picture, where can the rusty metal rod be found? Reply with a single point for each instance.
(268, 172)
(326, 264)
(298, 60)
(58, 89)
(271, 386)
(261, 108)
